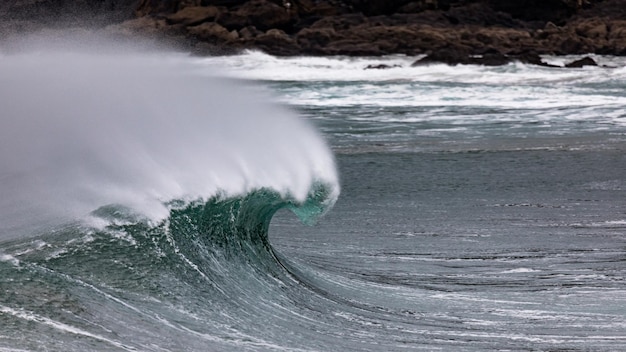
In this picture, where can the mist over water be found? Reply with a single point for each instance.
(83, 129)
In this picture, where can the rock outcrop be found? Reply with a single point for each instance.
(488, 32)
(585, 61)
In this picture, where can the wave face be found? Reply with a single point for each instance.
(83, 130)
(205, 278)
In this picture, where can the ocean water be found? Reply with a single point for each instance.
(157, 202)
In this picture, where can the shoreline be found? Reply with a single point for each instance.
(453, 32)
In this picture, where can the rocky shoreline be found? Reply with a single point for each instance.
(465, 31)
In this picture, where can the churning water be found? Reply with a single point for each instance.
(148, 205)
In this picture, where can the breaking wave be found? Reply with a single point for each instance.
(83, 130)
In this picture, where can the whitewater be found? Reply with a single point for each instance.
(85, 130)
(153, 201)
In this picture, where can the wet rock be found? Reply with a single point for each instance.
(531, 58)
(380, 67)
(450, 56)
(492, 57)
(586, 61)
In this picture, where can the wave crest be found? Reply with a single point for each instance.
(139, 130)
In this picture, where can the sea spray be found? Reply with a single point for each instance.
(82, 130)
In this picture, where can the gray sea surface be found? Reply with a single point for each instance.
(490, 218)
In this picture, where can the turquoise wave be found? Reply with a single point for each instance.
(208, 265)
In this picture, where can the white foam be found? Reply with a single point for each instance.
(260, 66)
(82, 130)
(513, 92)
(609, 224)
(9, 259)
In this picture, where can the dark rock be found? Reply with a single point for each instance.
(570, 45)
(152, 7)
(613, 9)
(429, 17)
(277, 42)
(342, 22)
(213, 32)
(353, 48)
(586, 61)
(232, 20)
(261, 14)
(531, 58)
(249, 32)
(418, 6)
(482, 15)
(492, 58)
(317, 8)
(505, 40)
(194, 15)
(617, 37)
(380, 67)
(450, 56)
(556, 11)
(375, 7)
(595, 29)
(316, 37)
(486, 32)
(403, 35)
(226, 3)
